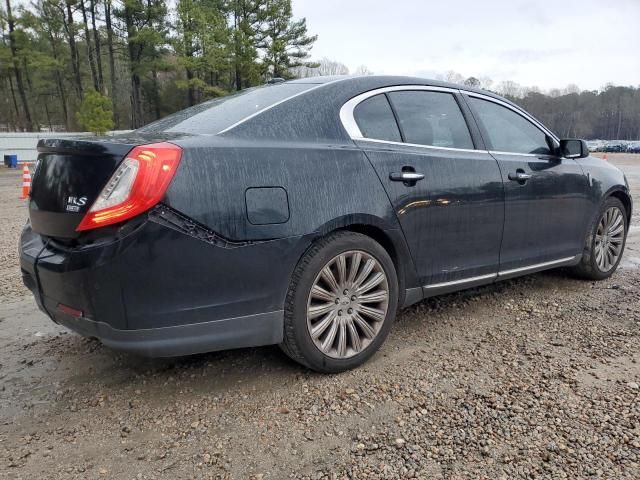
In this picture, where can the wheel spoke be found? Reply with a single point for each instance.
(374, 313)
(364, 326)
(330, 338)
(318, 292)
(356, 258)
(609, 259)
(373, 297)
(320, 327)
(342, 338)
(315, 311)
(617, 231)
(617, 221)
(364, 274)
(599, 256)
(374, 281)
(342, 270)
(356, 344)
(328, 277)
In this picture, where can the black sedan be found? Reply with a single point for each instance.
(306, 213)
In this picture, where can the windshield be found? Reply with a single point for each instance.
(216, 115)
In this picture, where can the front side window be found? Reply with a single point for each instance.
(431, 118)
(375, 119)
(508, 131)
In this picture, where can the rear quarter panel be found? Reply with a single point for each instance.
(323, 183)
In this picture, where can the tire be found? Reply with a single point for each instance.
(352, 344)
(590, 266)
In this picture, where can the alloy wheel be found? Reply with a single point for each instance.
(609, 239)
(347, 304)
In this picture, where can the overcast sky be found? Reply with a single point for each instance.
(542, 43)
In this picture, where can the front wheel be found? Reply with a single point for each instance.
(605, 242)
(341, 303)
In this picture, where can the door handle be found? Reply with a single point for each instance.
(405, 177)
(519, 176)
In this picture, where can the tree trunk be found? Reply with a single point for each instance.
(188, 52)
(112, 61)
(134, 53)
(73, 49)
(96, 43)
(237, 46)
(156, 93)
(59, 83)
(87, 40)
(16, 70)
(136, 102)
(191, 92)
(30, 92)
(46, 111)
(16, 120)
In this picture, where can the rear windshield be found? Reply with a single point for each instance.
(213, 116)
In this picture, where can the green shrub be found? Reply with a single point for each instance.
(95, 113)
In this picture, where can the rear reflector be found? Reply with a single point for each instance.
(138, 184)
(70, 310)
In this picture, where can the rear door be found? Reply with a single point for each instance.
(447, 193)
(546, 196)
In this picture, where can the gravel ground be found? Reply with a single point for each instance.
(532, 378)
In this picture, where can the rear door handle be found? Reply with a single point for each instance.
(519, 176)
(405, 177)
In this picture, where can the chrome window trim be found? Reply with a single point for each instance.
(502, 273)
(350, 125)
(515, 109)
(261, 111)
(497, 152)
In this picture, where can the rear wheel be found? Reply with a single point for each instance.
(605, 242)
(341, 303)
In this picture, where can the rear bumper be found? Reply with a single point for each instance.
(228, 333)
(157, 291)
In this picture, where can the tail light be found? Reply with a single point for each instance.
(138, 184)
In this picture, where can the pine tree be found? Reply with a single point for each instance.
(95, 114)
(284, 40)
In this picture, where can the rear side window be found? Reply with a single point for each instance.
(216, 115)
(508, 131)
(375, 119)
(431, 118)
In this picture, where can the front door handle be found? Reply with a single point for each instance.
(519, 176)
(409, 177)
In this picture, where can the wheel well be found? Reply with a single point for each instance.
(626, 202)
(379, 236)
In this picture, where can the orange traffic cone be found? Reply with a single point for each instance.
(605, 157)
(26, 181)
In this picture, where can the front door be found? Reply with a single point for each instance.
(447, 195)
(546, 196)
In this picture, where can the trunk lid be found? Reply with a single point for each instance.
(69, 175)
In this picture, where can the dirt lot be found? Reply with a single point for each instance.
(532, 378)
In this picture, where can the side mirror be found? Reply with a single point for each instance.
(573, 148)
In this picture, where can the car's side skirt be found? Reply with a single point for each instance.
(452, 286)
